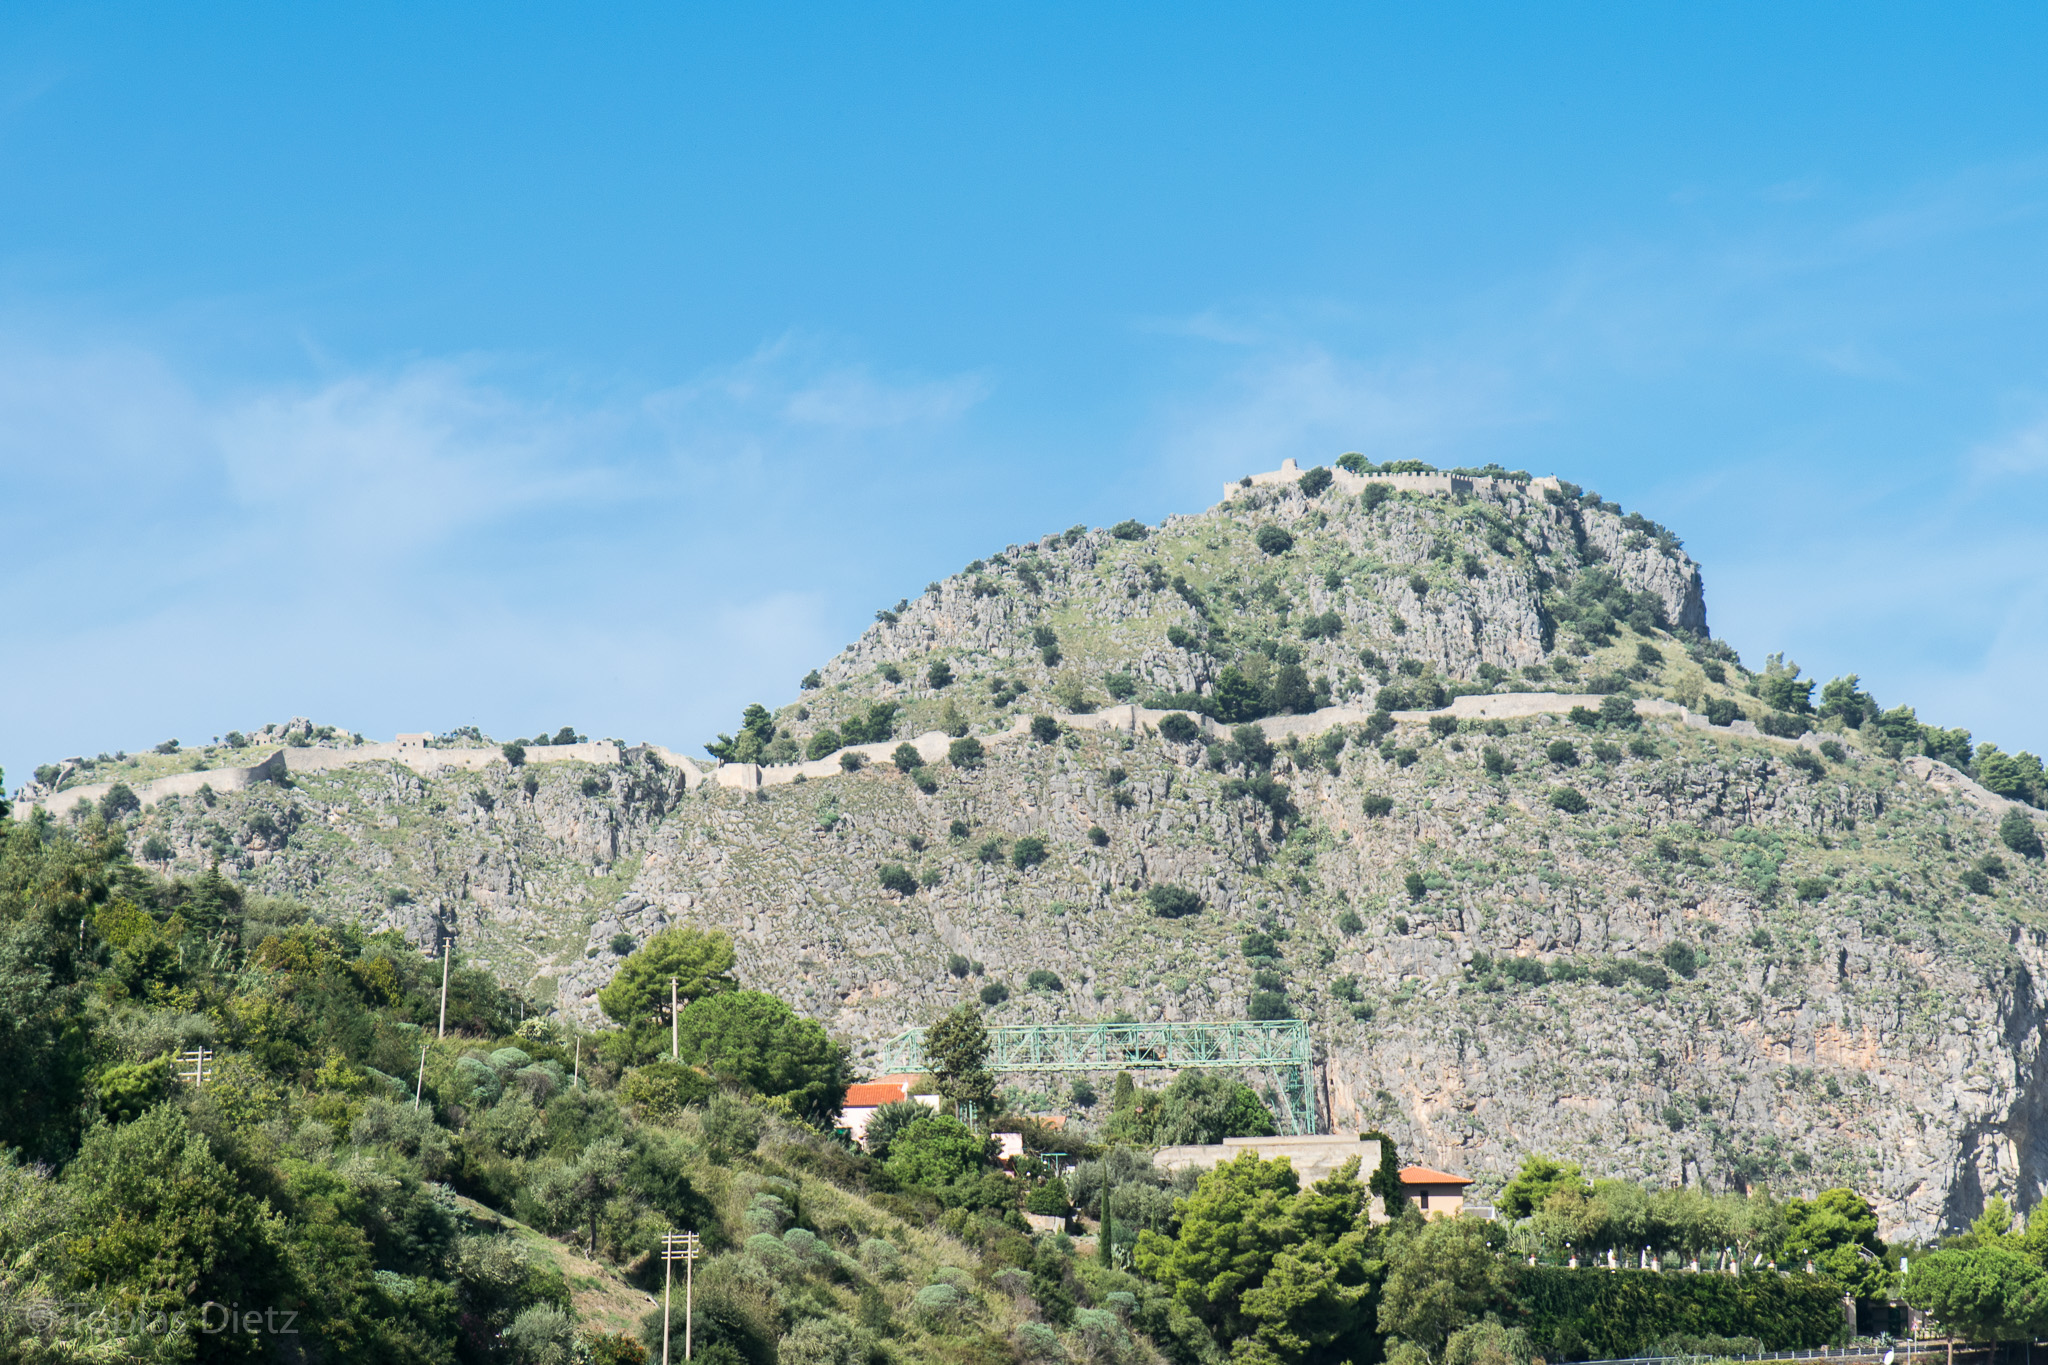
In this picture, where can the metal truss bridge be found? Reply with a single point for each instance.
(1281, 1046)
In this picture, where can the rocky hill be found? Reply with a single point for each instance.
(1649, 936)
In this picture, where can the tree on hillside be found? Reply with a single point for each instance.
(1385, 1180)
(1837, 1231)
(1230, 1231)
(1441, 1276)
(753, 1039)
(638, 997)
(1539, 1177)
(1782, 688)
(1985, 1294)
(1200, 1107)
(1315, 1304)
(888, 1121)
(2017, 832)
(575, 1193)
(935, 1151)
(957, 1049)
(757, 728)
(160, 1209)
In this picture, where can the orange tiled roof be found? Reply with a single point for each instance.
(1422, 1175)
(875, 1093)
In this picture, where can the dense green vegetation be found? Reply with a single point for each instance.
(509, 1213)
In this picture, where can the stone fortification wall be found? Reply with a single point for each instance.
(931, 746)
(177, 784)
(1348, 482)
(424, 761)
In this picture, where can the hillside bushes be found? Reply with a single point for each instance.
(1623, 1313)
(1273, 540)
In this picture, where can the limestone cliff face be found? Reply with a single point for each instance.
(1751, 969)
(1885, 1033)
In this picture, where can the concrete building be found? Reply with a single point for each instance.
(1313, 1157)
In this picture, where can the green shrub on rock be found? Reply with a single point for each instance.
(1266, 1005)
(1570, 800)
(1618, 712)
(2016, 830)
(1172, 902)
(1782, 725)
(1273, 540)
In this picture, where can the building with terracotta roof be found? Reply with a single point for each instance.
(864, 1098)
(1437, 1194)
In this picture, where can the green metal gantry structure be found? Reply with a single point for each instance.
(1281, 1046)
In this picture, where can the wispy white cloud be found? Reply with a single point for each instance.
(2021, 451)
(796, 380)
(424, 544)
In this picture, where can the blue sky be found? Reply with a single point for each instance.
(418, 366)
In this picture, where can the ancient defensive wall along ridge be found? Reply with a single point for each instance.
(413, 752)
(1348, 482)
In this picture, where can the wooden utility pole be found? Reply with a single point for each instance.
(684, 1247)
(447, 945)
(420, 1086)
(193, 1065)
(675, 1051)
